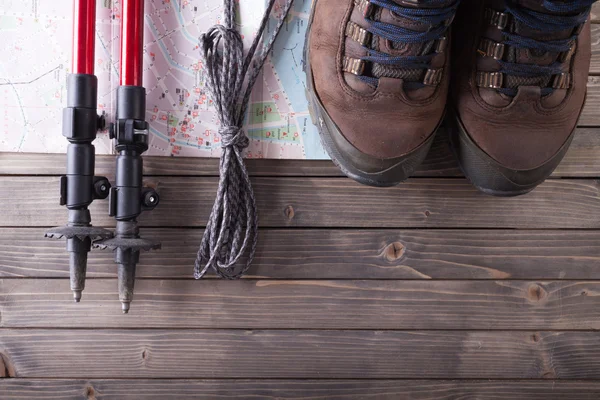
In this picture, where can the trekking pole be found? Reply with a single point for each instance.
(79, 187)
(128, 198)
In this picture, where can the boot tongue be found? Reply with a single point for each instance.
(537, 6)
(404, 48)
(533, 56)
(412, 49)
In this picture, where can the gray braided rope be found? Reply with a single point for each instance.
(232, 227)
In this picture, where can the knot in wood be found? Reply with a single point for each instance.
(549, 374)
(7, 369)
(289, 212)
(90, 393)
(536, 293)
(394, 251)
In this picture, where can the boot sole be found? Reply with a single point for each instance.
(486, 174)
(359, 166)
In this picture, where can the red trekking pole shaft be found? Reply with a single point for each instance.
(84, 29)
(132, 42)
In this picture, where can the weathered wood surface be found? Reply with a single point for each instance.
(595, 15)
(330, 202)
(582, 161)
(139, 353)
(595, 66)
(324, 304)
(590, 115)
(338, 254)
(235, 389)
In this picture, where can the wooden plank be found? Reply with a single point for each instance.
(55, 164)
(582, 160)
(318, 202)
(595, 16)
(590, 115)
(473, 305)
(338, 254)
(595, 65)
(235, 389)
(139, 353)
(583, 157)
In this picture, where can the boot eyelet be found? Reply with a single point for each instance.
(561, 81)
(358, 34)
(566, 55)
(365, 7)
(355, 66)
(496, 18)
(490, 80)
(441, 44)
(489, 48)
(433, 77)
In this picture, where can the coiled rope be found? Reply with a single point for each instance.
(232, 227)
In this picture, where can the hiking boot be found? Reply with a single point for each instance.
(377, 82)
(519, 84)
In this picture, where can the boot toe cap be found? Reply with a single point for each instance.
(366, 159)
(503, 173)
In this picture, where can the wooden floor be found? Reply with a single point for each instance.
(430, 290)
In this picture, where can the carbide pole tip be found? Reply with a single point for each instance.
(125, 306)
(77, 296)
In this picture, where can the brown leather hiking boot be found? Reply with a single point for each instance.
(520, 69)
(377, 82)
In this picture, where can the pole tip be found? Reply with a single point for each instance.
(125, 306)
(77, 296)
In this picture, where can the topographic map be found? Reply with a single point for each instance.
(35, 60)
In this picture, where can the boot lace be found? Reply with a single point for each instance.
(411, 67)
(575, 12)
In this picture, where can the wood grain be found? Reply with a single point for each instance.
(582, 160)
(595, 16)
(139, 353)
(590, 115)
(55, 164)
(235, 389)
(583, 157)
(330, 202)
(324, 304)
(595, 64)
(338, 254)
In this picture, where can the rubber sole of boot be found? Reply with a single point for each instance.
(361, 167)
(486, 174)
